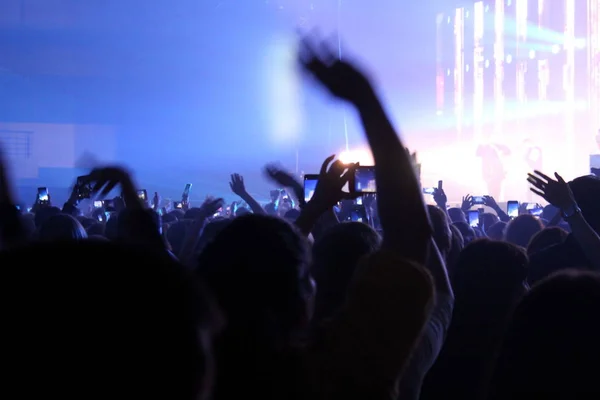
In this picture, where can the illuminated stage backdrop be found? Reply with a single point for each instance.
(516, 71)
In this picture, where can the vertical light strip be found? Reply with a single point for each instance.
(569, 46)
(498, 64)
(459, 66)
(594, 60)
(521, 54)
(593, 41)
(439, 59)
(478, 65)
(543, 68)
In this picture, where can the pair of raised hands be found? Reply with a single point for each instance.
(556, 192)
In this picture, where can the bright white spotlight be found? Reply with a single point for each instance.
(532, 54)
(508, 58)
(361, 156)
(555, 49)
(467, 67)
(487, 63)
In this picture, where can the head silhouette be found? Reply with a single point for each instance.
(551, 348)
(335, 258)
(441, 229)
(546, 238)
(98, 317)
(61, 227)
(521, 229)
(586, 190)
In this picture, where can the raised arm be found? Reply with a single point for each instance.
(11, 229)
(238, 187)
(558, 193)
(407, 232)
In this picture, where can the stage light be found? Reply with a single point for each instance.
(487, 63)
(555, 49)
(580, 43)
(532, 54)
(448, 72)
(467, 67)
(361, 156)
(508, 58)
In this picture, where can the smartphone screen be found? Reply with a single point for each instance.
(97, 203)
(429, 190)
(364, 180)
(186, 190)
(178, 205)
(512, 208)
(310, 184)
(474, 218)
(478, 200)
(142, 195)
(43, 195)
(358, 214)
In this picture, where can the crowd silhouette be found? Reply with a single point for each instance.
(299, 299)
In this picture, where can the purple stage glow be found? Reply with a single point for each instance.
(192, 91)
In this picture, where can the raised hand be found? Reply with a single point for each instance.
(332, 179)
(211, 206)
(490, 202)
(341, 78)
(440, 198)
(156, 201)
(556, 192)
(106, 179)
(278, 175)
(237, 185)
(467, 203)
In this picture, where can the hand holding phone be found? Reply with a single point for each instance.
(512, 208)
(473, 218)
(43, 197)
(364, 180)
(310, 184)
(142, 195)
(478, 200)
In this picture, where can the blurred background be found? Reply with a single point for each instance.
(194, 90)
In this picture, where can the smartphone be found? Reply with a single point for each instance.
(186, 191)
(310, 184)
(18, 208)
(142, 195)
(358, 214)
(98, 204)
(42, 195)
(440, 185)
(84, 190)
(512, 208)
(359, 201)
(108, 204)
(429, 190)
(364, 180)
(536, 212)
(478, 200)
(177, 205)
(473, 218)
